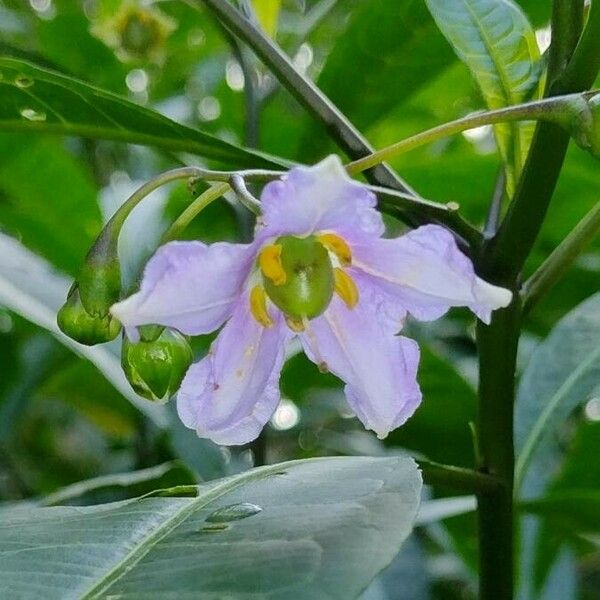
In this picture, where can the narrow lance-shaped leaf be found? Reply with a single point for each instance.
(563, 372)
(37, 99)
(497, 43)
(320, 528)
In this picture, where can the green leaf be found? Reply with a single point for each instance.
(30, 288)
(47, 195)
(574, 511)
(562, 372)
(267, 13)
(34, 99)
(305, 530)
(447, 440)
(388, 52)
(497, 43)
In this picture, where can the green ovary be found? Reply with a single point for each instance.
(309, 281)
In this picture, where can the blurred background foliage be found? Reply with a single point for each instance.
(386, 65)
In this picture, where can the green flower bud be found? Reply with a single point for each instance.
(155, 369)
(99, 284)
(309, 281)
(74, 321)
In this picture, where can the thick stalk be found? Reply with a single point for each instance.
(497, 346)
(304, 90)
(501, 261)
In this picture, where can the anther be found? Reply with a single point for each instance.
(334, 243)
(269, 261)
(258, 306)
(345, 288)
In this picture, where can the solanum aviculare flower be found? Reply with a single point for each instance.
(318, 269)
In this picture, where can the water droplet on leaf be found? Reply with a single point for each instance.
(23, 81)
(33, 115)
(233, 512)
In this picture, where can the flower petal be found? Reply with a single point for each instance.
(379, 368)
(319, 198)
(189, 286)
(230, 395)
(425, 273)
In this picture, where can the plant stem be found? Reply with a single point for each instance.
(556, 265)
(518, 232)
(554, 110)
(497, 346)
(501, 262)
(199, 204)
(457, 478)
(304, 90)
(447, 214)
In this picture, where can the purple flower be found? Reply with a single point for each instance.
(317, 269)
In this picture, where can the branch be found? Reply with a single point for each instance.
(304, 90)
(457, 478)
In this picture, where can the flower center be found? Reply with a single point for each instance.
(299, 278)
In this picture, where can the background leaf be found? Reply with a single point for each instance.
(36, 99)
(495, 40)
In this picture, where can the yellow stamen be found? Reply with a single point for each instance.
(269, 261)
(334, 243)
(296, 325)
(258, 306)
(345, 288)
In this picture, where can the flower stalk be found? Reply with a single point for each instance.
(561, 110)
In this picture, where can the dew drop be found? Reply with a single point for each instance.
(233, 512)
(33, 115)
(23, 81)
(214, 527)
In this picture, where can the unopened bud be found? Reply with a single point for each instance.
(155, 369)
(73, 320)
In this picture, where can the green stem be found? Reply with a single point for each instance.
(557, 264)
(497, 346)
(555, 110)
(110, 233)
(501, 261)
(457, 478)
(519, 230)
(303, 89)
(199, 204)
(447, 214)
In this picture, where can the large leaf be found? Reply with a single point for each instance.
(37, 99)
(30, 288)
(562, 373)
(317, 529)
(496, 41)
